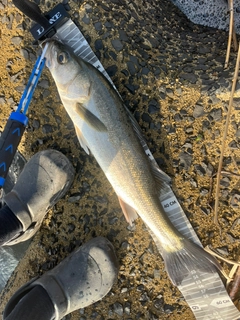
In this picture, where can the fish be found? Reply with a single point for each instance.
(105, 129)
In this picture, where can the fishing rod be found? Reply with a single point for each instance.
(17, 122)
(47, 25)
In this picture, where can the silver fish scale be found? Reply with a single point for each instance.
(204, 293)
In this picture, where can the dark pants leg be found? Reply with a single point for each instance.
(35, 305)
(10, 226)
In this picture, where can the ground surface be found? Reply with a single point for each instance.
(170, 74)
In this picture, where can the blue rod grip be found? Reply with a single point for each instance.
(9, 141)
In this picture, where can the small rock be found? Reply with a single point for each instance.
(98, 26)
(198, 111)
(145, 71)
(157, 274)
(123, 36)
(88, 7)
(130, 87)
(109, 25)
(189, 77)
(125, 72)
(169, 93)
(204, 191)
(43, 84)
(98, 44)
(112, 70)
(36, 124)
(223, 251)
(235, 200)
(209, 170)
(225, 182)
(47, 93)
(185, 160)
(168, 308)
(238, 133)
(125, 245)
(118, 308)
(16, 40)
(152, 109)
(113, 55)
(132, 68)
(233, 145)
(24, 53)
(76, 15)
(74, 198)
(2, 100)
(193, 183)
(189, 130)
(86, 19)
(47, 128)
(100, 199)
(158, 303)
(112, 220)
(127, 309)
(146, 118)
(199, 169)
(215, 114)
(117, 44)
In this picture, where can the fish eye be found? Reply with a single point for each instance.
(62, 57)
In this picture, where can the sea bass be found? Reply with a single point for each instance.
(104, 127)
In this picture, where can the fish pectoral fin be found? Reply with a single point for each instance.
(82, 140)
(90, 118)
(129, 213)
(180, 264)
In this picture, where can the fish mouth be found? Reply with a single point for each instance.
(46, 42)
(46, 46)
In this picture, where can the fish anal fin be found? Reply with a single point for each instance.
(82, 140)
(129, 213)
(90, 118)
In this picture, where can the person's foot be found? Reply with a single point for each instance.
(81, 279)
(44, 180)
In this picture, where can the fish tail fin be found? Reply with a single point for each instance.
(180, 263)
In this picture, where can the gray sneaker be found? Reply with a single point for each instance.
(81, 279)
(44, 180)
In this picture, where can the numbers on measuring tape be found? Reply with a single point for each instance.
(169, 204)
(221, 303)
(196, 307)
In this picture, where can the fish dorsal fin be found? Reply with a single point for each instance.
(82, 140)
(90, 118)
(160, 175)
(136, 128)
(129, 213)
(163, 186)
